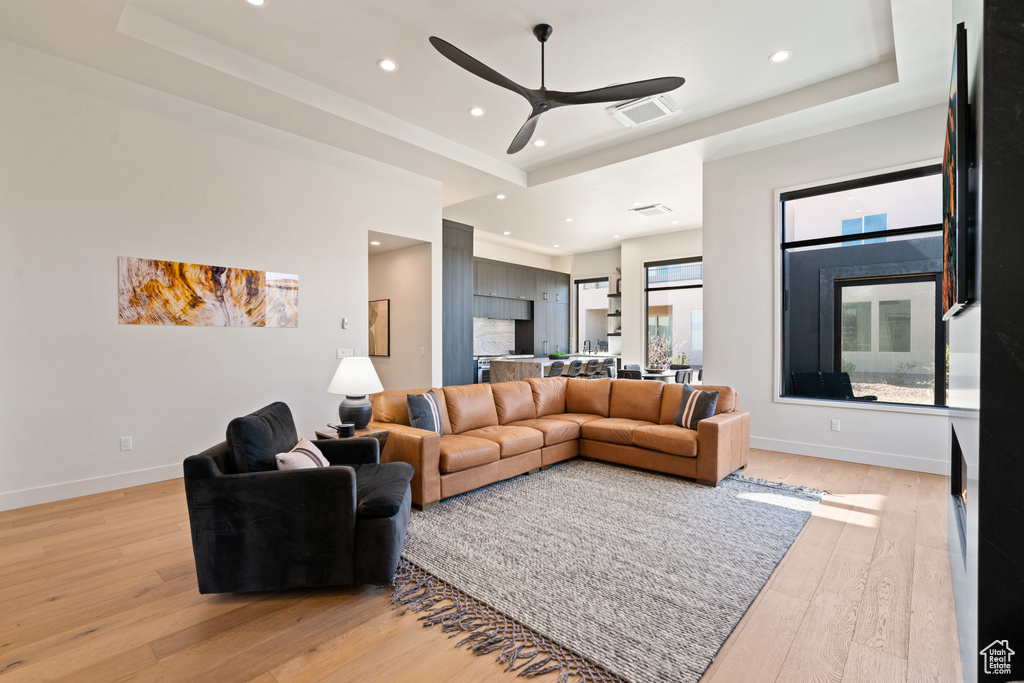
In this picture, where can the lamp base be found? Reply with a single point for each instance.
(356, 409)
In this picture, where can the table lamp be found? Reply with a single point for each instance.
(355, 378)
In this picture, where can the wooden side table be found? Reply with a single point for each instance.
(380, 434)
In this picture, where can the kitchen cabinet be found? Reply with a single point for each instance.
(500, 307)
(522, 283)
(552, 286)
(550, 328)
(457, 323)
(490, 278)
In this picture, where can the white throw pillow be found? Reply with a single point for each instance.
(302, 457)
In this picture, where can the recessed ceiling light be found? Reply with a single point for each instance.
(499, 196)
(780, 56)
(506, 233)
(556, 246)
(636, 203)
(615, 237)
(675, 222)
(387, 65)
(257, 3)
(539, 143)
(374, 244)
(477, 111)
(568, 220)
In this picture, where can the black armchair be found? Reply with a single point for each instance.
(254, 528)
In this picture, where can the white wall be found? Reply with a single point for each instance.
(403, 276)
(507, 254)
(740, 281)
(90, 169)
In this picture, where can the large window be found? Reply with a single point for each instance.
(675, 312)
(868, 308)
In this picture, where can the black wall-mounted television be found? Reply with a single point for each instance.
(955, 257)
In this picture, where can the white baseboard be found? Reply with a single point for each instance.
(894, 460)
(10, 500)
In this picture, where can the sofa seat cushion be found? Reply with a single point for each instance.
(667, 439)
(554, 431)
(612, 429)
(578, 418)
(511, 440)
(381, 488)
(458, 452)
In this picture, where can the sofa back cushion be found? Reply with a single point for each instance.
(548, 395)
(588, 396)
(636, 400)
(392, 406)
(513, 401)
(728, 400)
(470, 406)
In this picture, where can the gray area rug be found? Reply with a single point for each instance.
(600, 572)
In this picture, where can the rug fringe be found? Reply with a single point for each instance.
(488, 631)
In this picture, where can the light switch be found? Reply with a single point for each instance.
(344, 323)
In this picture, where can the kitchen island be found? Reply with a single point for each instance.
(511, 370)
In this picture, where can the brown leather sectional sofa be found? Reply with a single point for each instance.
(497, 431)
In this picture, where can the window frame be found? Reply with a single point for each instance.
(782, 302)
(648, 289)
(940, 325)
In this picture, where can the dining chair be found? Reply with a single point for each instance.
(631, 366)
(591, 370)
(574, 368)
(630, 374)
(555, 369)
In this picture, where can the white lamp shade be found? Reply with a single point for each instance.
(355, 377)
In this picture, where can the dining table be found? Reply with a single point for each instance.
(659, 375)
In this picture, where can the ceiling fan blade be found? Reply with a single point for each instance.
(525, 133)
(477, 68)
(618, 93)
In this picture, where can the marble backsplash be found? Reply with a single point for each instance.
(493, 336)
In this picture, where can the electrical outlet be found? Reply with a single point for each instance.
(346, 353)
(126, 443)
(835, 425)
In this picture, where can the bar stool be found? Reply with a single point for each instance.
(574, 368)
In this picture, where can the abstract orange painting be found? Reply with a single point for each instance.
(152, 292)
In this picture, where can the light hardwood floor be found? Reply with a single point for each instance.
(102, 588)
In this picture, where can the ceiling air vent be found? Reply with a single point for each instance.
(643, 111)
(652, 210)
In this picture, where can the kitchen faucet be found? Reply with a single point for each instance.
(586, 346)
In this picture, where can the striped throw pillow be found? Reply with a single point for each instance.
(303, 456)
(695, 406)
(423, 412)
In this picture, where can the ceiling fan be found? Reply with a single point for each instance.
(542, 99)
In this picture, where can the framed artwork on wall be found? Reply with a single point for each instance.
(153, 292)
(955, 257)
(380, 327)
